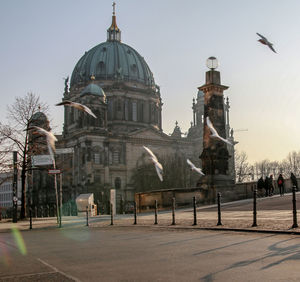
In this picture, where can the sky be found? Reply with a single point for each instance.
(41, 42)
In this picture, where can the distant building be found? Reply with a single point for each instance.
(6, 192)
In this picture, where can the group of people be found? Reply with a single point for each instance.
(268, 184)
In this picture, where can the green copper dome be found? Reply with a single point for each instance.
(93, 89)
(39, 116)
(112, 60)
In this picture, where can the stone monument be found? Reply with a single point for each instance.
(215, 155)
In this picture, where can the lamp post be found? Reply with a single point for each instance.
(15, 187)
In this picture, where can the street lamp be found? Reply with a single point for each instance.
(212, 63)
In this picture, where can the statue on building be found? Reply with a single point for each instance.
(66, 91)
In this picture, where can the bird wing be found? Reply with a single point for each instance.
(64, 103)
(224, 140)
(88, 110)
(215, 133)
(191, 164)
(51, 152)
(199, 171)
(151, 153)
(262, 37)
(50, 138)
(211, 127)
(78, 106)
(193, 167)
(271, 47)
(159, 170)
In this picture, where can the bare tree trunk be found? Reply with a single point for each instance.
(23, 197)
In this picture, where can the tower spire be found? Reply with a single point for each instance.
(113, 32)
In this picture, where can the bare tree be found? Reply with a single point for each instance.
(263, 168)
(293, 161)
(243, 170)
(14, 135)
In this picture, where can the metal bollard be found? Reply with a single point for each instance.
(30, 218)
(155, 212)
(111, 215)
(173, 211)
(295, 224)
(219, 209)
(254, 208)
(36, 211)
(122, 206)
(195, 211)
(87, 216)
(135, 212)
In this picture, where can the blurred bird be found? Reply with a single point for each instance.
(50, 138)
(77, 106)
(215, 133)
(158, 166)
(265, 41)
(193, 167)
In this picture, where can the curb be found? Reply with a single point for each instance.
(205, 228)
(166, 227)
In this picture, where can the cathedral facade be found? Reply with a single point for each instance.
(116, 83)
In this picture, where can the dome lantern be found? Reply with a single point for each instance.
(114, 33)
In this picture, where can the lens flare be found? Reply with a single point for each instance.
(4, 255)
(19, 240)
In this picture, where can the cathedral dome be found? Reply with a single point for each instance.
(112, 60)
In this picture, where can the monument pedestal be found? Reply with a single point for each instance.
(212, 184)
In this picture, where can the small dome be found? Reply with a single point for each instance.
(39, 119)
(93, 89)
(39, 116)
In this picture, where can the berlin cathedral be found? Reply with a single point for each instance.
(116, 83)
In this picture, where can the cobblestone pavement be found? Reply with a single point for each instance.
(273, 214)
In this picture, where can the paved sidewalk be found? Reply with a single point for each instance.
(274, 214)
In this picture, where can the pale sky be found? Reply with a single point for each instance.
(41, 42)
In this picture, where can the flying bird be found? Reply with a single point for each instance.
(77, 106)
(214, 132)
(158, 166)
(51, 139)
(193, 167)
(265, 41)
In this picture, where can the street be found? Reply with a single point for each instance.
(143, 253)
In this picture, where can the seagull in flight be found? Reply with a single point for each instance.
(193, 167)
(50, 138)
(77, 106)
(265, 41)
(158, 166)
(214, 132)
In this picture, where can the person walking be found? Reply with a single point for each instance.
(294, 181)
(280, 183)
(271, 186)
(267, 186)
(260, 186)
